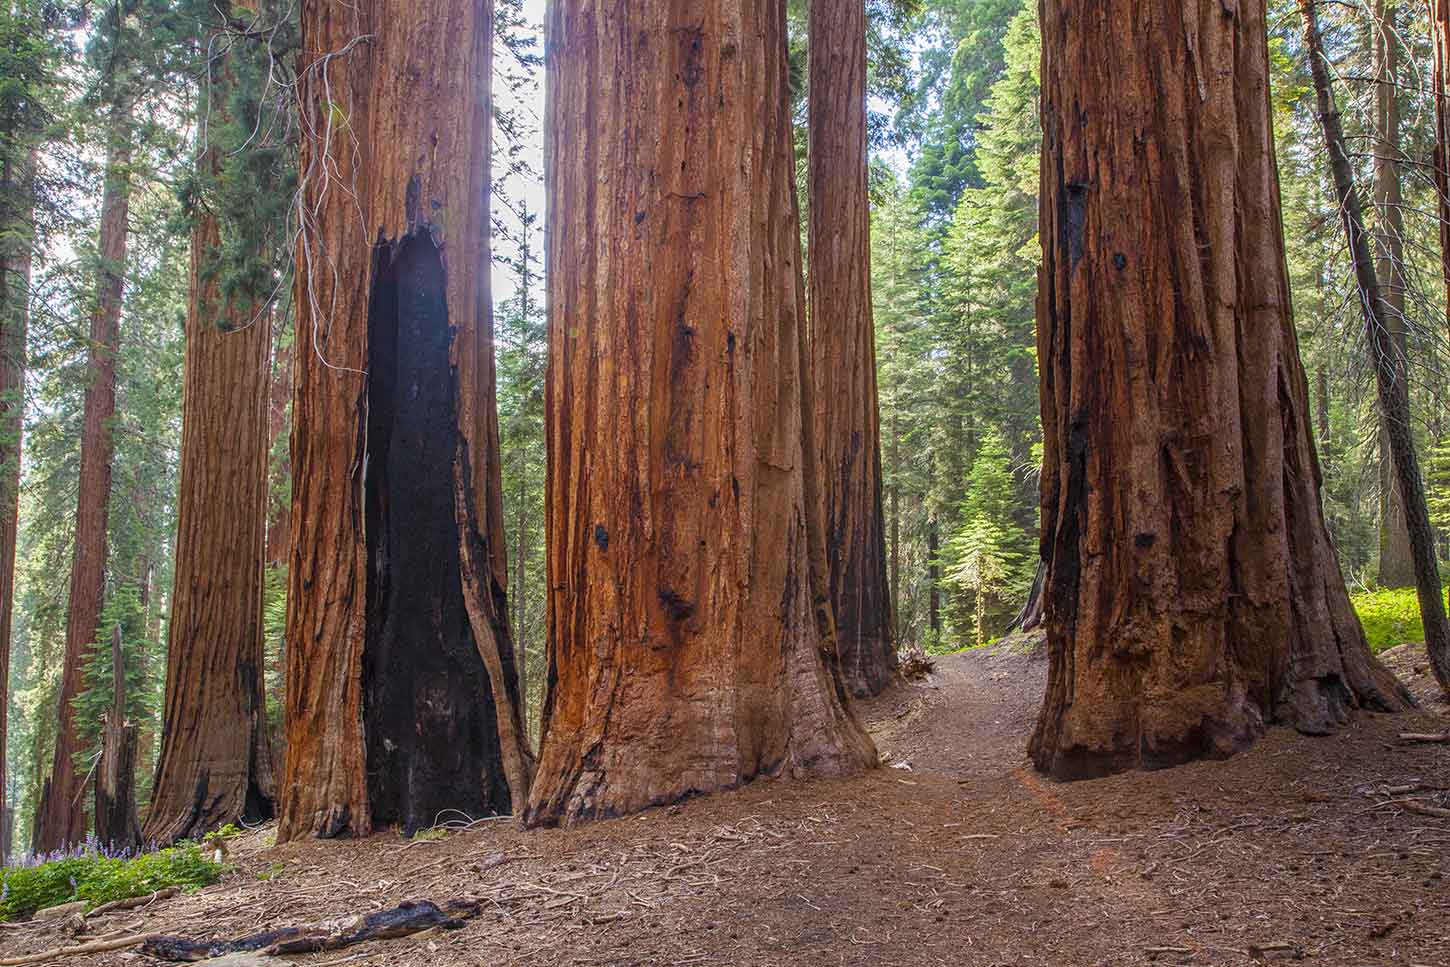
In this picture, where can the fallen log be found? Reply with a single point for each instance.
(403, 920)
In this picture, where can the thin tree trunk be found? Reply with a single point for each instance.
(1193, 593)
(521, 625)
(933, 549)
(522, 524)
(1396, 561)
(684, 657)
(117, 828)
(1390, 374)
(1440, 44)
(277, 425)
(895, 526)
(402, 695)
(215, 765)
(843, 346)
(17, 195)
(933, 575)
(146, 738)
(61, 817)
(1321, 403)
(1031, 615)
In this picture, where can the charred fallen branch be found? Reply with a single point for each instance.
(408, 918)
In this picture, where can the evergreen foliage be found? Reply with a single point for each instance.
(246, 173)
(962, 62)
(987, 557)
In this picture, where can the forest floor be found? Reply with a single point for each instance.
(1300, 849)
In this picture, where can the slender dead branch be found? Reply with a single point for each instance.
(94, 947)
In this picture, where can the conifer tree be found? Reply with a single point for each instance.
(690, 644)
(27, 60)
(1387, 357)
(1193, 593)
(987, 557)
(843, 347)
(1396, 559)
(61, 815)
(522, 351)
(215, 763)
(899, 269)
(401, 686)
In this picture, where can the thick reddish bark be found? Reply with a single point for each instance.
(16, 196)
(843, 347)
(401, 693)
(1391, 376)
(215, 765)
(60, 817)
(1193, 594)
(684, 655)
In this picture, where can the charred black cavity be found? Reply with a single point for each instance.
(428, 710)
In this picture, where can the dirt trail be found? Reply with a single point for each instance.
(1292, 850)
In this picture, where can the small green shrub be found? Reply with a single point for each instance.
(97, 878)
(1390, 617)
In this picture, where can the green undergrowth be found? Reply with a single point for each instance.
(1390, 617)
(95, 878)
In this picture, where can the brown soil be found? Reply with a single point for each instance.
(1299, 849)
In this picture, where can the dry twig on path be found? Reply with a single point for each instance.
(95, 947)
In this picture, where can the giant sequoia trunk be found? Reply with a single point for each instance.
(402, 697)
(60, 817)
(1193, 594)
(686, 653)
(16, 215)
(1391, 377)
(847, 420)
(1396, 560)
(215, 765)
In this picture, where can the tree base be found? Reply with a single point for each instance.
(869, 667)
(1096, 735)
